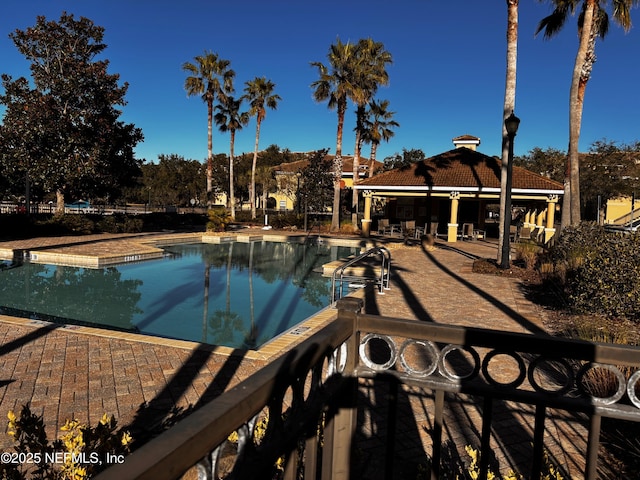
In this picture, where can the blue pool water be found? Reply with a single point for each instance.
(238, 295)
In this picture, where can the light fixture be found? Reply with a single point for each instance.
(512, 123)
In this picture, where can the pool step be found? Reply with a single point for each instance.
(352, 271)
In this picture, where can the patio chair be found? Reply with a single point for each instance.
(513, 233)
(420, 231)
(467, 231)
(433, 229)
(408, 228)
(383, 226)
(525, 232)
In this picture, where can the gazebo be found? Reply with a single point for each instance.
(455, 187)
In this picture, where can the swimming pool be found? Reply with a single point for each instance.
(234, 294)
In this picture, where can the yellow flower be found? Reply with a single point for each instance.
(126, 439)
(11, 416)
(105, 419)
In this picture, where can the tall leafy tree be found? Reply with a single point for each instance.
(67, 130)
(370, 72)
(549, 162)
(405, 160)
(609, 170)
(211, 78)
(259, 92)
(174, 180)
(230, 119)
(335, 85)
(593, 22)
(378, 126)
(316, 179)
(508, 107)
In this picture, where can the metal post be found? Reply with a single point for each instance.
(511, 124)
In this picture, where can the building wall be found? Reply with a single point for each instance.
(617, 208)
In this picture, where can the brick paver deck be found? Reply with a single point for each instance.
(64, 373)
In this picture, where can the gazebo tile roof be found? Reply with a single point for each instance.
(459, 168)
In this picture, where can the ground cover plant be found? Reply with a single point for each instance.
(79, 453)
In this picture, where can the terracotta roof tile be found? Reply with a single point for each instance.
(459, 168)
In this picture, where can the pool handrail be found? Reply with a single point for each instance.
(385, 269)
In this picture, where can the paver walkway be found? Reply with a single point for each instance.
(64, 374)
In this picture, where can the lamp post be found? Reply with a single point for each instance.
(511, 124)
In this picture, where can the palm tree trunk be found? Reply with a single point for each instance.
(372, 158)
(59, 202)
(232, 197)
(571, 213)
(209, 149)
(509, 106)
(356, 166)
(252, 193)
(337, 168)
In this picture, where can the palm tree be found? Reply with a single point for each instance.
(259, 94)
(593, 22)
(370, 73)
(229, 119)
(377, 126)
(211, 78)
(336, 84)
(508, 108)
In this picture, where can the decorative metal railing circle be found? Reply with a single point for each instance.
(446, 372)
(364, 356)
(631, 388)
(588, 367)
(535, 365)
(565, 377)
(522, 369)
(431, 352)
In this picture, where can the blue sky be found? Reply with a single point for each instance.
(447, 78)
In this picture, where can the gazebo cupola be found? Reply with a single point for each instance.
(468, 141)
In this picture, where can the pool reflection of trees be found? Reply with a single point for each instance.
(71, 294)
(273, 262)
(103, 297)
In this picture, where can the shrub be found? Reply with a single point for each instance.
(132, 225)
(527, 251)
(109, 224)
(286, 220)
(78, 224)
(80, 452)
(600, 271)
(219, 218)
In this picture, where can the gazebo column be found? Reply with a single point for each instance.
(539, 222)
(549, 230)
(452, 230)
(366, 221)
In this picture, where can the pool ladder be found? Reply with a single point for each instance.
(339, 279)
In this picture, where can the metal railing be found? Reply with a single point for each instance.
(381, 278)
(311, 403)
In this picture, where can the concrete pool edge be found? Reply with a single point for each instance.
(136, 248)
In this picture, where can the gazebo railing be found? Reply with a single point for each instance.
(301, 415)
